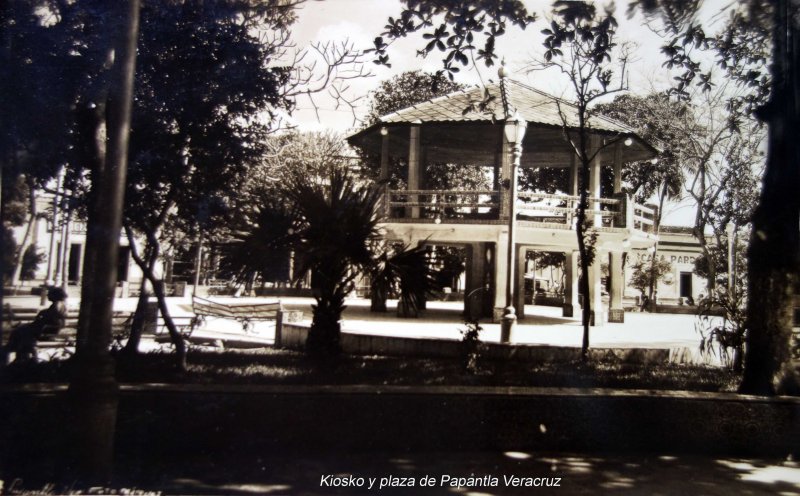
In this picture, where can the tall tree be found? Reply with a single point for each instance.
(93, 387)
(756, 32)
(774, 256)
(210, 91)
(202, 77)
(579, 43)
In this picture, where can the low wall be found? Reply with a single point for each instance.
(162, 422)
(288, 292)
(293, 336)
(548, 301)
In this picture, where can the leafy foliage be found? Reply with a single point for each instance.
(646, 271)
(471, 346)
(258, 248)
(45, 72)
(201, 79)
(722, 314)
(30, 262)
(544, 179)
(741, 50)
(724, 335)
(653, 117)
(454, 29)
(757, 31)
(719, 255)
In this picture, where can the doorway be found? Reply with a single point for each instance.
(686, 285)
(74, 264)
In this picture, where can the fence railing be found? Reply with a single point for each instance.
(442, 206)
(643, 218)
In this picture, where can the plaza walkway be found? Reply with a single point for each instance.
(542, 325)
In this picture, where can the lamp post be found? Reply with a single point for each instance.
(514, 131)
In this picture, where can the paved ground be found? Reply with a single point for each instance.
(477, 474)
(542, 325)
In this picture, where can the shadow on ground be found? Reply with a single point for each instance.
(577, 474)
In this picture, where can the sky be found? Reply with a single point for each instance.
(360, 21)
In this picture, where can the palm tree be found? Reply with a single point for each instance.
(406, 270)
(260, 245)
(334, 233)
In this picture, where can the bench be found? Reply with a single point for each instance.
(244, 313)
(64, 339)
(13, 317)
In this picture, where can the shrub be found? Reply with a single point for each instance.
(471, 346)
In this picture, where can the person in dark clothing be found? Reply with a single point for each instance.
(48, 322)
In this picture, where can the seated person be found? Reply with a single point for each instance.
(48, 322)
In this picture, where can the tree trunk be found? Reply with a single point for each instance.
(139, 321)
(378, 297)
(93, 390)
(325, 332)
(174, 334)
(26, 239)
(324, 335)
(775, 244)
(92, 124)
(583, 249)
(198, 261)
(657, 229)
(2, 259)
(583, 282)
(158, 290)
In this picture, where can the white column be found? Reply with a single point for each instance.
(596, 289)
(594, 180)
(414, 159)
(500, 274)
(617, 168)
(384, 174)
(519, 286)
(615, 271)
(475, 291)
(571, 307)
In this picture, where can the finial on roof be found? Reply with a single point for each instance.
(502, 72)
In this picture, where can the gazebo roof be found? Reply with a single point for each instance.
(535, 106)
(454, 123)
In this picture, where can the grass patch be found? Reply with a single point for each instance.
(275, 367)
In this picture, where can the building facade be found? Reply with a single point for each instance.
(61, 240)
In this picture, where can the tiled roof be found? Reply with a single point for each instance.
(534, 106)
